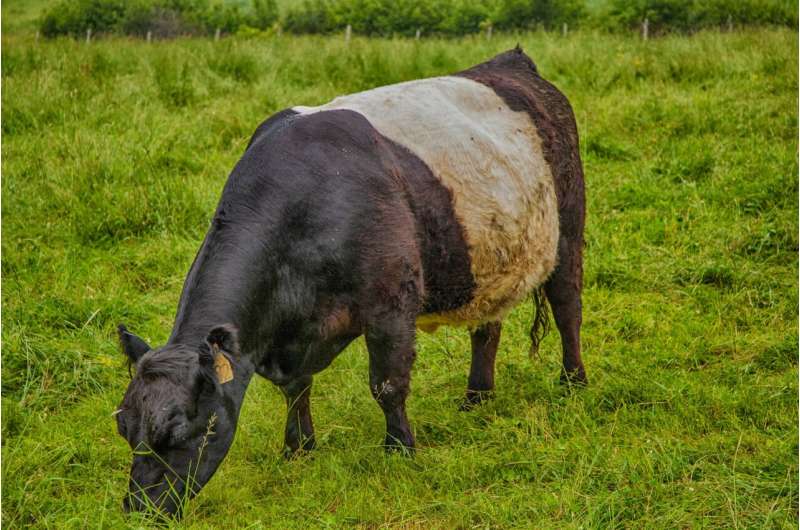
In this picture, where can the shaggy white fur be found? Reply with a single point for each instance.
(491, 159)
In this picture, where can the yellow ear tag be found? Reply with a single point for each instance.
(222, 366)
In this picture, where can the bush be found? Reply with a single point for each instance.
(688, 15)
(743, 12)
(264, 15)
(465, 17)
(161, 21)
(313, 16)
(517, 14)
(659, 13)
(448, 17)
(163, 18)
(74, 17)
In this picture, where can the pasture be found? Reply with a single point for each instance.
(114, 154)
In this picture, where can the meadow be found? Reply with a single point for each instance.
(114, 154)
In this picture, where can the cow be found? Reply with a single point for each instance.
(440, 201)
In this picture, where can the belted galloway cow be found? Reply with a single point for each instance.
(441, 201)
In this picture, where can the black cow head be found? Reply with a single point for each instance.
(178, 417)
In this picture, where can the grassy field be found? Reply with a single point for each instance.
(114, 154)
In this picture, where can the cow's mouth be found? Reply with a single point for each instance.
(162, 500)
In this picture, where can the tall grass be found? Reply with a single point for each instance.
(114, 155)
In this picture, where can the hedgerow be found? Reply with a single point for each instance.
(162, 18)
(688, 15)
(167, 18)
(459, 17)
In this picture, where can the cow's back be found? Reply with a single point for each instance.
(490, 158)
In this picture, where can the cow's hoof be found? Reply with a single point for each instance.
(574, 378)
(396, 445)
(475, 398)
(294, 454)
(291, 451)
(398, 449)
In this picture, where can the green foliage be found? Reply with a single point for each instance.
(74, 17)
(114, 158)
(314, 16)
(169, 18)
(459, 17)
(447, 17)
(163, 18)
(265, 13)
(686, 15)
(512, 14)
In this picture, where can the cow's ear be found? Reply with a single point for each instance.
(225, 338)
(132, 346)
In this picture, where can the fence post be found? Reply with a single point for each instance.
(216, 34)
(645, 28)
(419, 32)
(730, 23)
(564, 29)
(149, 36)
(489, 32)
(88, 35)
(37, 36)
(347, 32)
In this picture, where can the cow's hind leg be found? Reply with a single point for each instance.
(563, 290)
(299, 432)
(480, 385)
(390, 341)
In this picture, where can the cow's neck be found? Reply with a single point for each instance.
(222, 288)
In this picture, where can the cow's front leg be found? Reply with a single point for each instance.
(391, 356)
(299, 428)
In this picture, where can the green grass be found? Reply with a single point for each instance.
(114, 154)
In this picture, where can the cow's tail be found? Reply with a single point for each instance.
(541, 320)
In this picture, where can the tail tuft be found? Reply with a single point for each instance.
(540, 326)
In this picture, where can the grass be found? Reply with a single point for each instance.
(114, 155)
